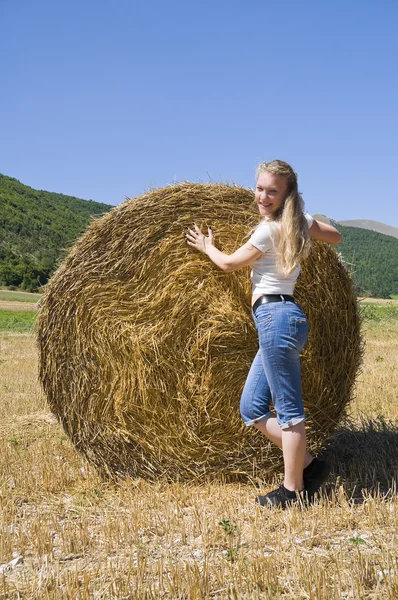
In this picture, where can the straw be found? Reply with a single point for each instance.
(145, 344)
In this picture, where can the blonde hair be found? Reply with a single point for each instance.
(291, 237)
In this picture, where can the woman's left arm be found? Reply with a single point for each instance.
(242, 257)
(325, 233)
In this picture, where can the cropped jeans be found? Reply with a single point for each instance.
(275, 376)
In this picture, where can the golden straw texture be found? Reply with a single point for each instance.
(145, 344)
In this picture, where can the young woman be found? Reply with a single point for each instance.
(274, 251)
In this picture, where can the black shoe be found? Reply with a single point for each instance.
(280, 498)
(314, 475)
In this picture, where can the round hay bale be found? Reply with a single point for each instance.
(145, 344)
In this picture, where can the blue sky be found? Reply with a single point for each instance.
(104, 99)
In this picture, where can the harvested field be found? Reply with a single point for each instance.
(384, 301)
(18, 306)
(73, 535)
(18, 296)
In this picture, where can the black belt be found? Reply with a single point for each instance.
(271, 298)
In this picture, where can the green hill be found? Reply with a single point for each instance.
(373, 225)
(373, 258)
(35, 228)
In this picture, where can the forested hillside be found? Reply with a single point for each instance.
(35, 226)
(374, 260)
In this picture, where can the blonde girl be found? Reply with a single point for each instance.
(274, 252)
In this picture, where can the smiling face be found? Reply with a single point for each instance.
(270, 192)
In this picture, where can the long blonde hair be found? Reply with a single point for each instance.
(291, 237)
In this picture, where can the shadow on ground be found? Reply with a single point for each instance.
(365, 457)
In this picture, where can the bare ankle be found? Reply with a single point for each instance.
(293, 486)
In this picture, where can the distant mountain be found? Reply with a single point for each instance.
(35, 227)
(372, 225)
(362, 224)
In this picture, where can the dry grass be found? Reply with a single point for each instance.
(378, 387)
(19, 306)
(393, 302)
(82, 538)
(7, 295)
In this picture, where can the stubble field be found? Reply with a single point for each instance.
(67, 534)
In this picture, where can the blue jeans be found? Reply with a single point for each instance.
(274, 376)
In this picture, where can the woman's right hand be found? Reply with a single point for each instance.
(196, 239)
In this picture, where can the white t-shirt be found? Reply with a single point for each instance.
(266, 279)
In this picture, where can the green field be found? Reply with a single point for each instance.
(378, 312)
(24, 321)
(16, 321)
